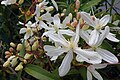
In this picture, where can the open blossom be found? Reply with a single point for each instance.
(58, 27)
(8, 2)
(28, 30)
(69, 47)
(98, 24)
(91, 70)
(95, 41)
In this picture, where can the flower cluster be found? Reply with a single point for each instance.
(65, 34)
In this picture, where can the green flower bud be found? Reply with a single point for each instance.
(19, 67)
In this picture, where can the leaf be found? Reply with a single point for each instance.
(83, 72)
(90, 4)
(39, 73)
(22, 51)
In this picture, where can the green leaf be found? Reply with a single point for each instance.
(90, 4)
(39, 73)
(83, 72)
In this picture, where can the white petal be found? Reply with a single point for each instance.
(96, 75)
(88, 56)
(66, 64)
(37, 11)
(100, 66)
(103, 35)
(104, 20)
(77, 33)
(67, 32)
(94, 37)
(48, 32)
(55, 4)
(84, 35)
(89, 75)
(107, 56)
(47, 17)
(4, 2)
(65, 21)
(112, 38)
(87, 19)
(43, 25)
(54, 58)
(27, 35)
(56, 20)
(22, 30)
(54, 51)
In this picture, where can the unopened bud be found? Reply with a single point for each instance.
(14, 62)
(77, 4)
(19, 67)
(21, 1)
(70, 15)
(28, 48)
(78, 16)
(64, 10)
(19, 47)
(42, 10)
(7, 56)
(11, 49)
(12, 44)
(74, 23)
(35, 45)
(7, 53)
(25, 61)
(49, 8)
(85, 27)
(62, 14)
(27, 56)
(6, 64)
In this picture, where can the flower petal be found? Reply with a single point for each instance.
(104, 20)
(76, 39)
(87, 19)
(107, 56)
(65, 21)
(54, 51)
(96, 75)
(55, 4)
(84, 35)
(43, 25)
(56, 20)
(112, 38)
(100, 66)
(47, 17)
(66, 64)
(103, 35)
(27, 35)
(89, 75)
(94, 37)
(67, 32)
(88, 56)
(22, 30)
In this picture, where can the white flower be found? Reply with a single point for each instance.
(98, 24)
(91, 71)
(69, 47)
(58, 27)
(95, 39)
(8, 2)
(28, 30)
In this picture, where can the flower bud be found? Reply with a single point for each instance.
(19, 67)
(12, 44)
(42, 10)
(49, 8)
(62, 14)
(35, 45)
(25, 61)
(78, 16)
(70, 15)
(85, 27)
(64, 10)
(21, 1)
(6, 64)
(7, 56)
(7, 53)
(19, 47)
(27, 56)
(77, 4)
(11, 49)
(14, 62)
(28, 48)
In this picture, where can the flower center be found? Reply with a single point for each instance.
(56, 28)
(28, 30)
